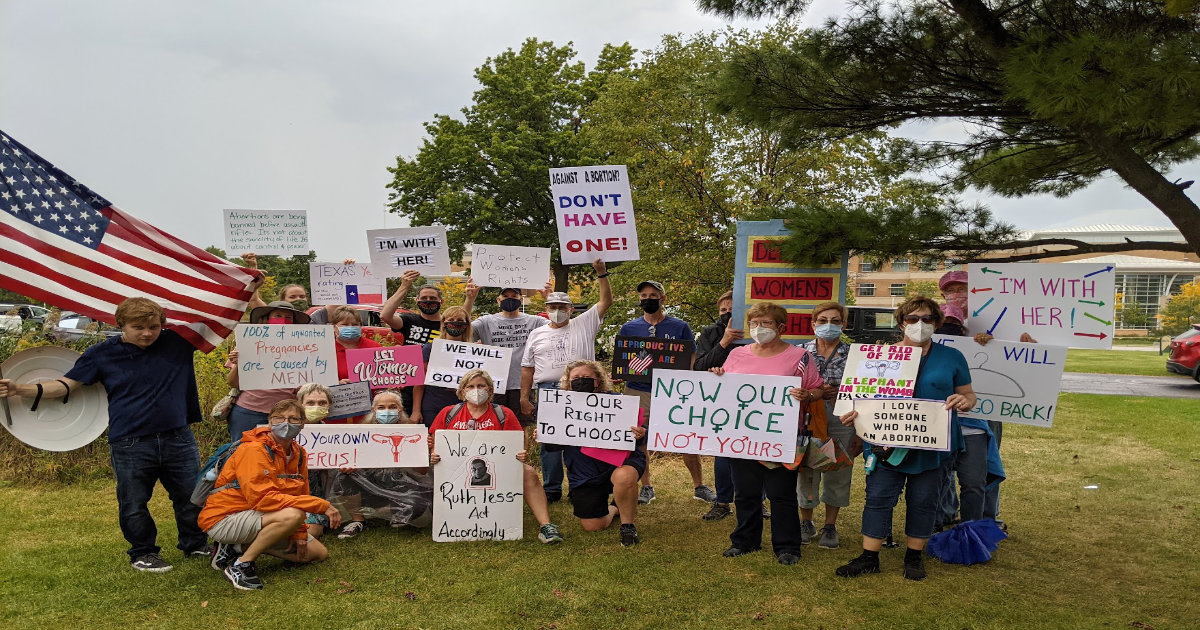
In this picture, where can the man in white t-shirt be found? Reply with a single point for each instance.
(509, 328)
(548, 351)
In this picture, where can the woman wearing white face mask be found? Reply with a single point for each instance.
(477, 412)
(943, 375)
(316, 399)
(400, 496)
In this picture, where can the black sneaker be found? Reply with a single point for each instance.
(629, 535)
(717, 512)
(914, 568)
(859, 566)
(788, 559)
(203, 552)
(734, 552)
(151, 563)
(807, 531)
(244, 576)
(223, 555)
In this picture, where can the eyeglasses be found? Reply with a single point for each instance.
(925, 319)
(288, 419)
(762, 325)
(455, 321)
(956, 290)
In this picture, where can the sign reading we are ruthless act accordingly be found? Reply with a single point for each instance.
(365, 445)
(478, 486)
(903, 423)
(587, 419)
(874, 371)
(274, 356)
(744, 416)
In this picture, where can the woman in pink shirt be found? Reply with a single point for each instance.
(769, 355)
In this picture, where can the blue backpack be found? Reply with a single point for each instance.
(211, 469)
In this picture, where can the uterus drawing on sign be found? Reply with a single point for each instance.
(880, 369)
(398, 442)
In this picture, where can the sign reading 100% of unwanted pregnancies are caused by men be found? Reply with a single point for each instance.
(594, 208)
(1061, 304)
(274, 356)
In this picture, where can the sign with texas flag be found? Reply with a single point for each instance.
(338, 283)
(634, 358)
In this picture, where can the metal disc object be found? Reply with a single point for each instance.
(54, 426)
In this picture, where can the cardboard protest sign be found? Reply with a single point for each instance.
(508, 266)
(761, 275)
(449, 360)
(478, 486)
(396, 250)
(1015, 382)
(392, 366)
(877, 372)
(272, 356)
(337, 283)
(281, 232)
(744, 416)
(635, 358)
(1062, 304)
(349, 400)
(594, 208)
(365, 445)
(903, 423)
(587, 419)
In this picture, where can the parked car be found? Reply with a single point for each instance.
(871, 324)
(27, 312)
(1185, 353)
(373, 326)
(73, 327)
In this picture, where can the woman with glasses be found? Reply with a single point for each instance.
(772, 356)
(943, 375)
(428, 400)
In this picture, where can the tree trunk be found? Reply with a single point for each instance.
(561, 272)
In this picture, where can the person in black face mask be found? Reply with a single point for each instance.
(510, 328)
(656, 323)
(712, 348)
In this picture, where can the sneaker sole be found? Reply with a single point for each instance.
(854, 575)
(703, 499)
(714, 518)
(549, 541)
(239, 586)
(824, 546)
(153, 569)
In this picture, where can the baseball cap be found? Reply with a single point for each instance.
(950, 277)
(651, 283)
(558, 297)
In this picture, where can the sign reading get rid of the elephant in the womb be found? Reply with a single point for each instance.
(874, 371)
(392, 366)
(275, 356)
(365, 445)
(1061, 304)
(594, 208)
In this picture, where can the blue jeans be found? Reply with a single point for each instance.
(723, 480)
(170, 457)
(991, 496)
(242, 420)
(552, 461)
(971, 466)
(947, 508)
(883, 491)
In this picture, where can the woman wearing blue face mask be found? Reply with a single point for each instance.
(830, 352)
(400, 496)
(348, 333)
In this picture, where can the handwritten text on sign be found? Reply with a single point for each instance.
(636, 358)
(1015, 382)
(337, 283)
(1064, 304)
(393, 366)
(913, 423)
(396, 250)
(365, 445)
(587, 419)
(594, 208)
(349, 400)
(273, 356)
(478, 486)
(877, 372)
(510, 267)
(283, 232)
(744, 416)
(450, 360)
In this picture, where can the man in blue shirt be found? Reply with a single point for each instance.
(152, 398)
(656, 323)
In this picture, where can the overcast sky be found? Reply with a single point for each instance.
(175, 110)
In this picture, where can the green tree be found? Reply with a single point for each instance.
(928, 288)
(1181, 311)
(1057, 93)
(485, 175)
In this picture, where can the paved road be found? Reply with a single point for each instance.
(1128, 385)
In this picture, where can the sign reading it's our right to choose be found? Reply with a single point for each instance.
(744, 416)
(1064, 304)
(874, 371)
(903, 423)
(587, 419)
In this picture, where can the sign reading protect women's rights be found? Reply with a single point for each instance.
(281, 232)
(339, 283)
(510, 267)
(396, 250)
(587, 419)
(273, 356)
(450, 360)
(903, 423)
(744, 416)
(365, 445)
(392, 366)
(1015, 382)
(635, 358)
(877, 372)
(1064, 304)
(478, 486)
(594, 208)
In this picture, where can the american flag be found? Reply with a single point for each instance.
(65, 245)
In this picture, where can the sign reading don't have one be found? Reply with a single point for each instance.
(594, 208)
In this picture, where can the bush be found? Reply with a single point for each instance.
(1182, 309)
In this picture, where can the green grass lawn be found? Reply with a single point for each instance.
(1117, 556)
(1118, 362)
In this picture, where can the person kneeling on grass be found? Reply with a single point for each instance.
(596, 473)
(478, 413)
(260, 498)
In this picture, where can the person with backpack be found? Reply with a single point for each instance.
(477, 412)
(259, 500)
